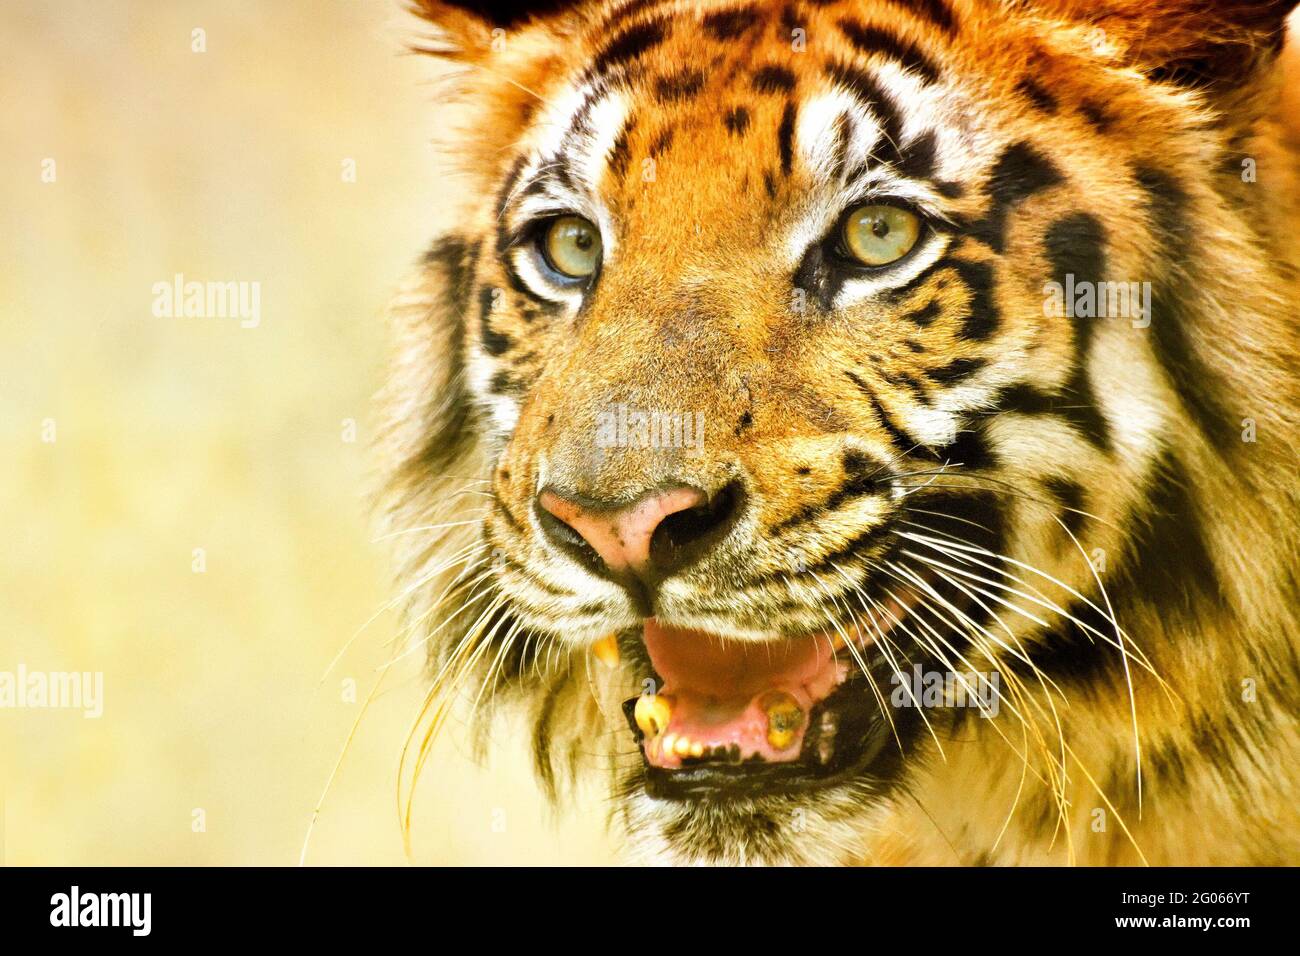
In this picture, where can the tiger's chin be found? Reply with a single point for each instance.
(830, 827)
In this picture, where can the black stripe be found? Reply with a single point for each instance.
(863, 476)
(1167, 207)
(663, 139)
(773, 79)
(1037, 94)
(902, 441)
(1020, 171)
(785, 138)
(503, 383)
(737, 120)
(843, 141)
(934, 11)
(494, 342)
(1069, 494)
(1075, 245)
(1096, 116)
(628, 45)
(452, 253)
(904, 380)
(982, 316)
(449, 412)
(1168, 567)
(955, 371)
(924, 316)
(620, 153)
(729, 24)
(969, 449)
(507, 187)
(872, 39)
(862, 85)
(628, 10)
(681, 86)
(918, 159)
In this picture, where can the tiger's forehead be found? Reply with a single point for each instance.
(850, 97)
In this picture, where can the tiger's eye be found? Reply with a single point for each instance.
(572, 246)
(879, 235)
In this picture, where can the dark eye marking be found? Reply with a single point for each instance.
(872, 39)
(773, 79)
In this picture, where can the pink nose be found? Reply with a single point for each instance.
(621, 536)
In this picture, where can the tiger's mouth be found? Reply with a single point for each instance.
(734, 718)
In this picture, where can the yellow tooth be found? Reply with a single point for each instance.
(606, 650)
(697, 749)
(652, 713)
(682, 747)
(784, 718)
(668, 741)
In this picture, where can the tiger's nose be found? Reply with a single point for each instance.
(657, 534)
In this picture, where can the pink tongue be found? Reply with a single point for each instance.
(720, 692)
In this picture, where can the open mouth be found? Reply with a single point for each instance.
(735, 718)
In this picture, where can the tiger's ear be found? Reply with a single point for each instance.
(468, 29)
(1202, 44)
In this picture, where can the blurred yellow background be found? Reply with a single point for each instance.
(176, 434)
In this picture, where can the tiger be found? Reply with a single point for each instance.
(863, 432)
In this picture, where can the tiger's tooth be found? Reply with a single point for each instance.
(697, 749)
(667, 744)
(682, 747)
(784, 718)
(605, 650)
(652, 713)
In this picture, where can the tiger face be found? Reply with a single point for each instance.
(807, 350)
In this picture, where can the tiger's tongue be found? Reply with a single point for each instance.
(735, 699)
